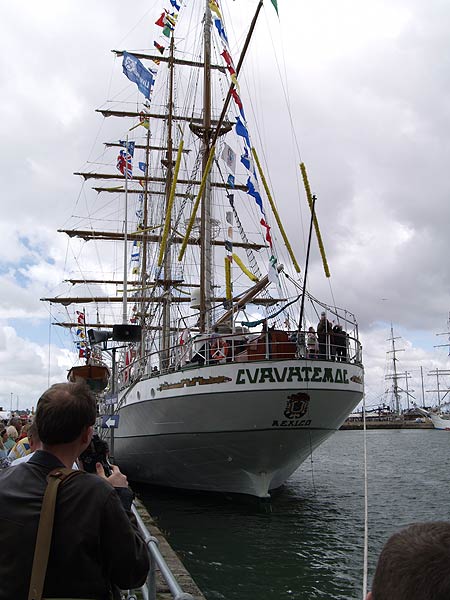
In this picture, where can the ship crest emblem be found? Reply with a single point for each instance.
(297, 406)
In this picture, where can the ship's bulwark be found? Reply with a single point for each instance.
(242, 428)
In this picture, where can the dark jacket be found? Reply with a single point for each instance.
(94, 541)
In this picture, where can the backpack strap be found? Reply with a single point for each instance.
(45, 530)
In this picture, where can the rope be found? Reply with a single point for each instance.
(366, 505)
(312, 462)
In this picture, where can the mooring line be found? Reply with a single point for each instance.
(366, 504)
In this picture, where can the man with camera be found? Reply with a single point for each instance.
(95, 546)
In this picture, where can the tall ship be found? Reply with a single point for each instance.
(198, 331)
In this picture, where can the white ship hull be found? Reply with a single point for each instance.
(241, 427)
(439, 422)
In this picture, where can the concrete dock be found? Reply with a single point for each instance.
(358, 425)
(179, 571)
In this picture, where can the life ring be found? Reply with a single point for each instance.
(219, 349)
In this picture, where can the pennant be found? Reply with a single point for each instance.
(221, 30)
(228, 60)
(144, 120)
(161, 22)
(268, 236)
(175, 5)
(252, 191)
(242, 131)
(143, 166)
(171, 19)
(247, 160)
(159, 47)
(275, 5)
(215, 9)
(238, 101)
(230, 180)
(229, 217)
(229, 157)
(273, 271)
(138, 74)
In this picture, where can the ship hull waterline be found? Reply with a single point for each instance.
(240, 428)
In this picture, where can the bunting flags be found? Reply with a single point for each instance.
(136, 72)
(80, 343)
(167, 22)
(268, 236)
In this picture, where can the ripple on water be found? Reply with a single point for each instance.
(311, 543)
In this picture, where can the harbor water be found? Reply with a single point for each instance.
(308, 543)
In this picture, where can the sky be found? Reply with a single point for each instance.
(367, 84)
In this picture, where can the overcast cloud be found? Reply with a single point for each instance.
(368, 87)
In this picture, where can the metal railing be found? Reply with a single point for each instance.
(212, 349)
(148, 590)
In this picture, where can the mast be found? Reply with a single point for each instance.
(125, 243)
(395, 376)
(144, 275)
(205, 227)
(165, 341)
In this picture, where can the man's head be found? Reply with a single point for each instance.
(413, 564)
(64, 412)
(17, 423)
(33, 437)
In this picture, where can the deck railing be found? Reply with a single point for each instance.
(216, 349)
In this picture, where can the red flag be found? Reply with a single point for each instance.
(268, 236)
(236, 98)
(159, 47)
(161, 21)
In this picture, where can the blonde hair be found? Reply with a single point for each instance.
(12, 432)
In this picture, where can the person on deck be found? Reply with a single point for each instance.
(413, 564)
(324, 328)
(96, 547)
(312, 343)
(340, 343)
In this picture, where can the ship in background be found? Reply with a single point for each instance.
(204, 326)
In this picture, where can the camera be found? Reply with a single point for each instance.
(96, 452)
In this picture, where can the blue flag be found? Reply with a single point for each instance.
(143, 166)
(246, 160)
(241, 130)
(130, 146)
(136, 72)
(252, 191)
(230, 180)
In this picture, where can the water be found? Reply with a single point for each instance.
(310, 544)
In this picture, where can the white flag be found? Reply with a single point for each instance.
(229, 157)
